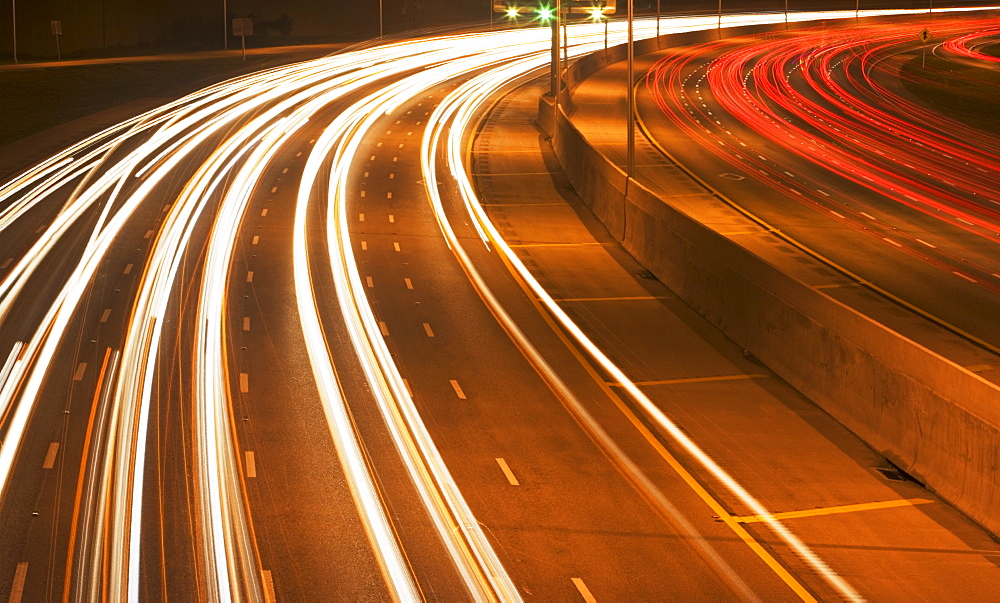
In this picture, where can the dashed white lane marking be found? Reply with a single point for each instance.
(584, 591)
(427, 329)
(392, 218)
(17, 588)
(869, 216)
(6, 263)
(363, 193)
(106, 315)
(384, 329)
(249, 276)
(395, 159)
(256, 239)
(395, 246)
(388, 195)
(923, 242)
(369, 282)
(263, 212)
(507, 472)
(312, 141)
(299, 154)
(838, 214)
(244, 383)
(458, 390)
(887, 240)
(965, 276)
(80, 370)
(128, 269)
(392, 176)
(361, 217)
(148, 234)
(366, 174)
(822, 192)
(400, 145)
(409, 283)
(50, 456)
(378, 145)
(268, 584)
(274, 189)
(40, 229)
(284, 171)
(372, 158)
(246, 323)
(364, 245)
(251, 464)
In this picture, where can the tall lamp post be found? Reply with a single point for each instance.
(13, 15)
(630, 163)
(720, 15)
(225, 26)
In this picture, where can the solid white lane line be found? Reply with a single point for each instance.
(106, 315)
(427, 329)
(246, 323)
(409, 283)
(507, 472)
(17, 588)
(249, 276)
(251, 464)
(50, 456)
(80, 370)
(584, 591)
(458, 390)
(244, 383)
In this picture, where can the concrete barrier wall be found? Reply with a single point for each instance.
(934, 419)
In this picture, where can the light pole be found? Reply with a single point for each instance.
(630, 163)
(13, 15)
(720, 15)
(225, 26)
(380, 18)
(657, 18)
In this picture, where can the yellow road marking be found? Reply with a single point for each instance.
(589, 299)
(693, 380)
(888, 504)
(594, 244)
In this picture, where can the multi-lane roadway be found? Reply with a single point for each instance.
(266, 342)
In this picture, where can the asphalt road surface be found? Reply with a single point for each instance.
(265, 343)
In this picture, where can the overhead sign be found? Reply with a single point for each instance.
(242, 27)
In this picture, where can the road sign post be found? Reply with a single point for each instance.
(57, 31)
(243, 28)
(924, 36)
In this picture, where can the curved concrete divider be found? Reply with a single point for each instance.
(932, 418)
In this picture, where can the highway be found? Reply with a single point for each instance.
(820, 135)
(268, 342)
